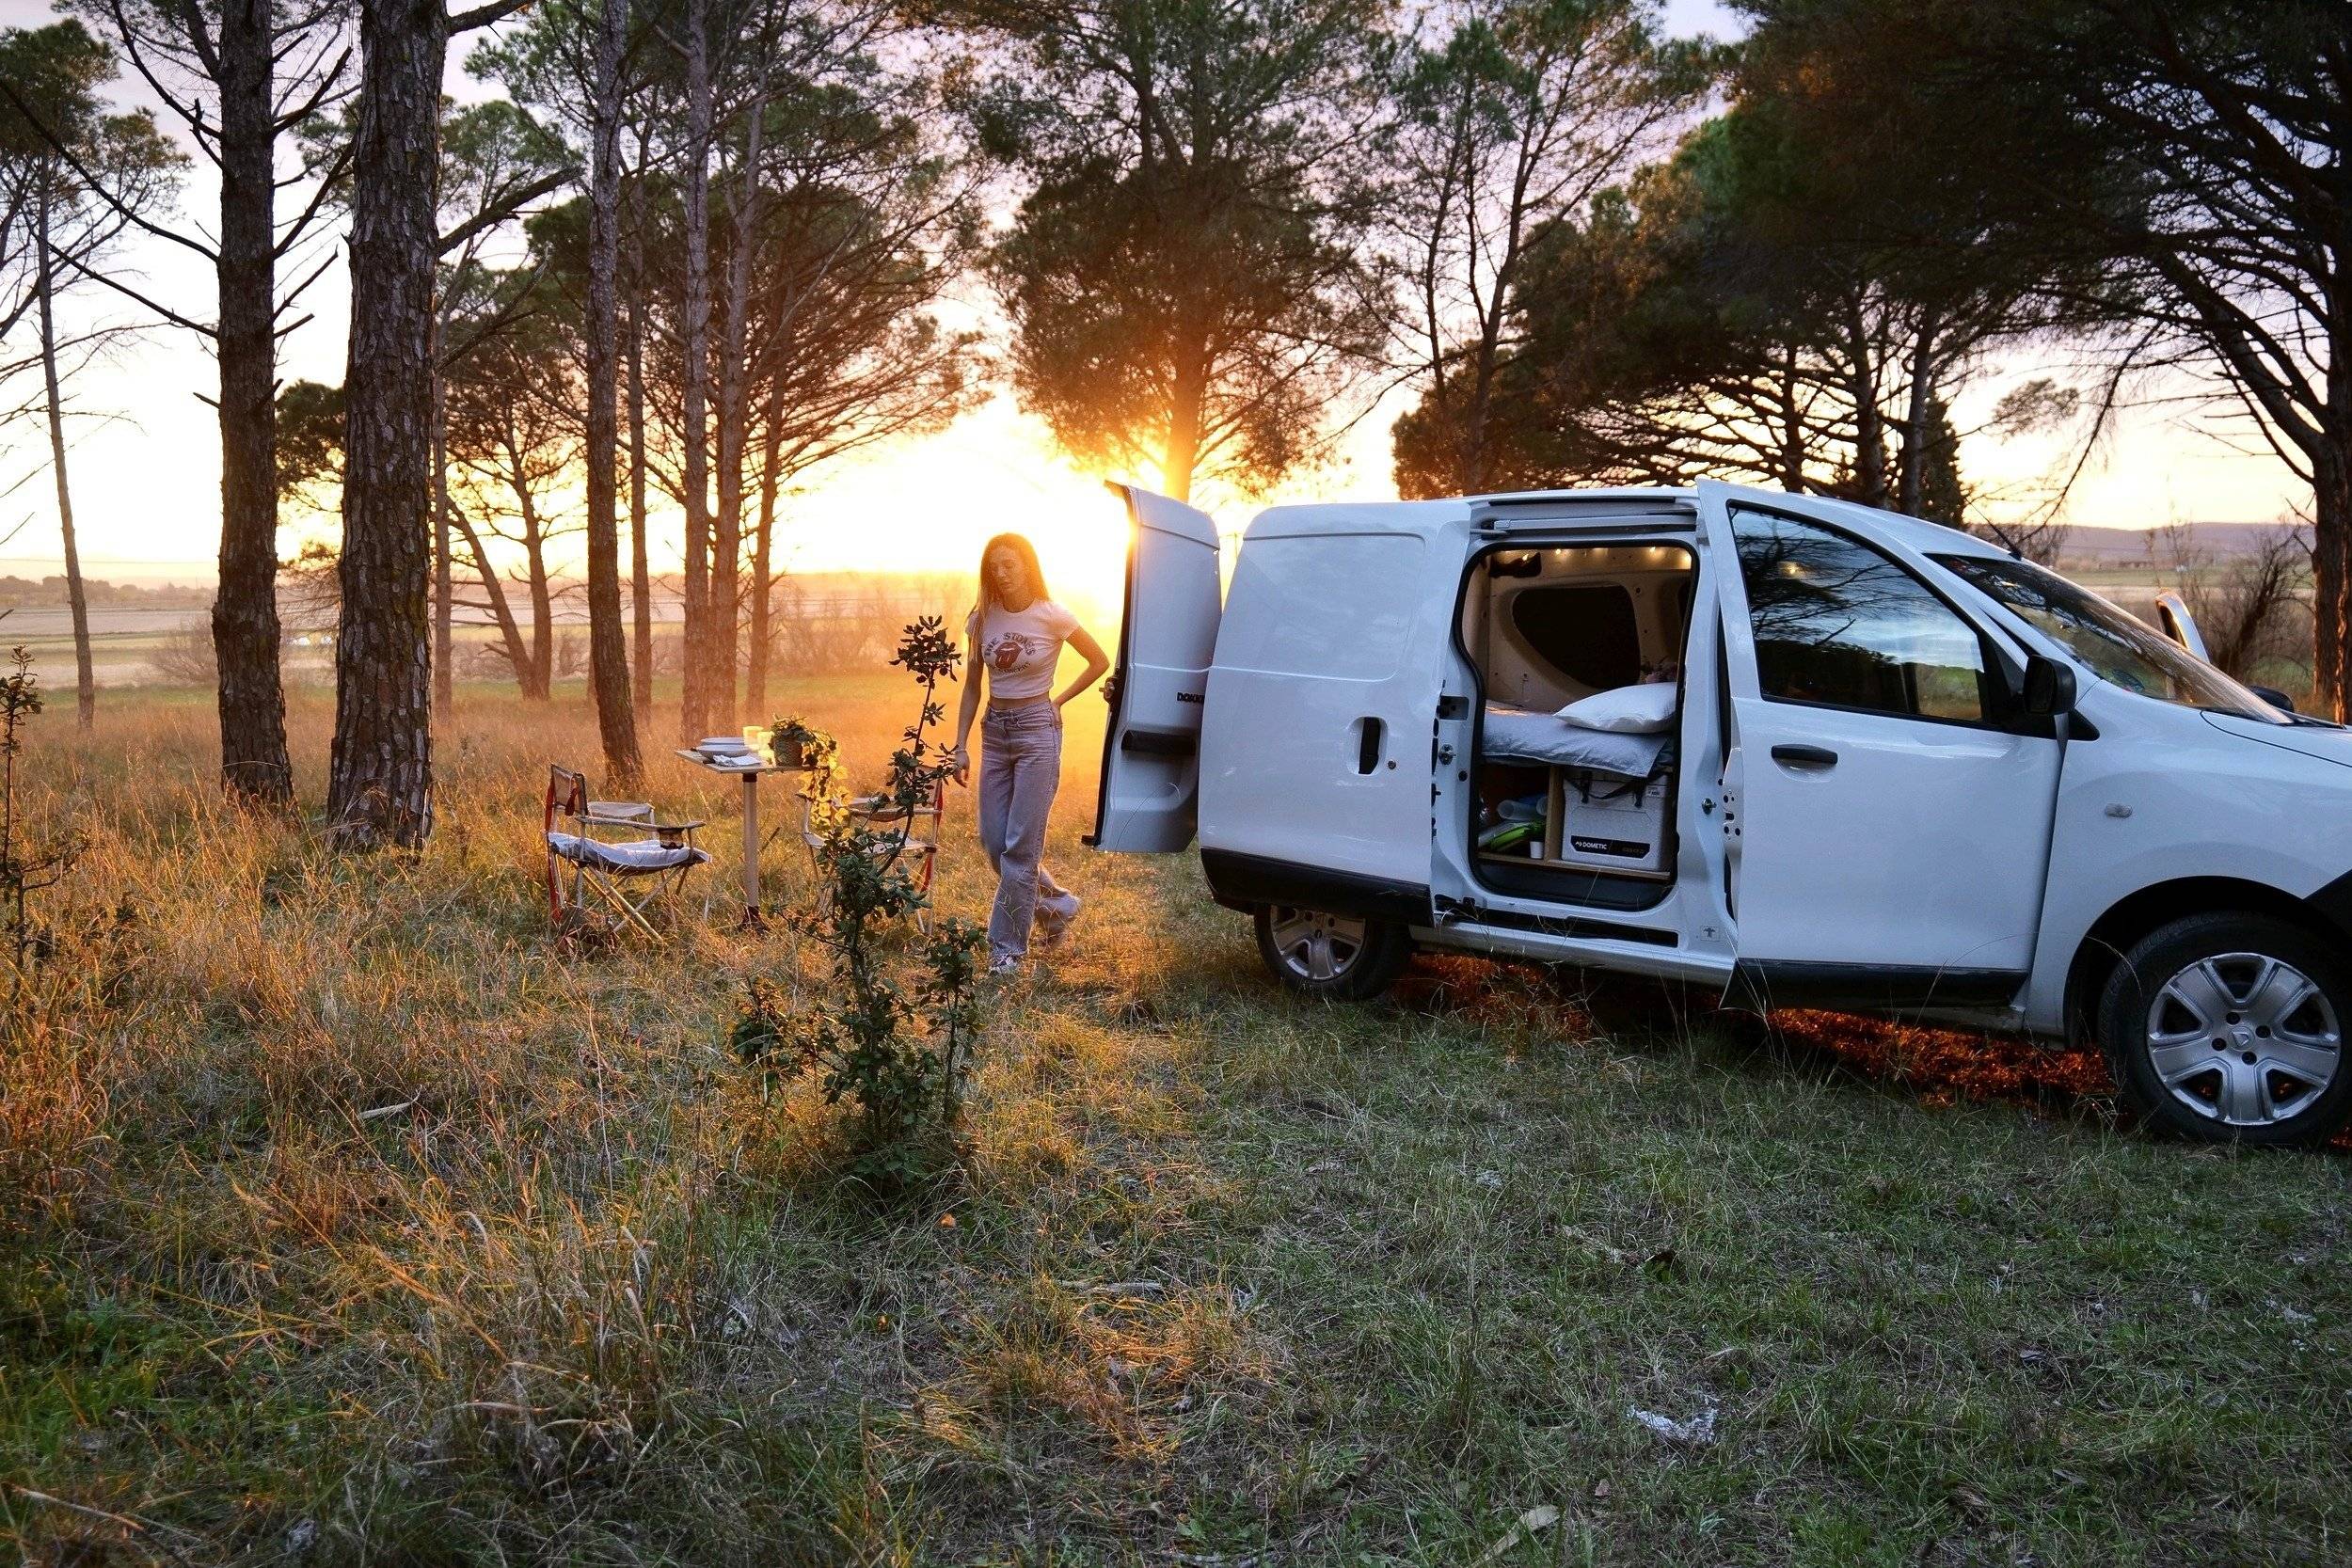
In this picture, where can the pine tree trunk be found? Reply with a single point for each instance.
(1190, 391)
(77, 601)
(726, 553)
(640, 573)
(254, 766)
(1912, 465)
(694, 718)
(763, 574)
(444, 572)
(1792, 429)
(534, 552)
(640, 576)
(2331, 629)
(379, 787)
(608, 653)
(542, 684)
(2331, 518)
(502, 613)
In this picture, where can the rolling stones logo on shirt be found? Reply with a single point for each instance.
(1014, 649)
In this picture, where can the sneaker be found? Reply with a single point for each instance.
(1053, 921)
(1003, 966)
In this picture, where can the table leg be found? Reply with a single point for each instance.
(751, 850)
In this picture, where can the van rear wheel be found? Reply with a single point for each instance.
(2228, 1028)
(1342, 957)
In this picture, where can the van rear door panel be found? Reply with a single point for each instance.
(1150, 796)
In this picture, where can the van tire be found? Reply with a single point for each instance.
(1360, 955)
(2173, 967)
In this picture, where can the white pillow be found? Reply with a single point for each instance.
(1626, 711)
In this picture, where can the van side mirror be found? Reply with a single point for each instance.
(2275, 697)
(2049, 686)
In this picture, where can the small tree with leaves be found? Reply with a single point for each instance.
(898, 1050)
(24, 870)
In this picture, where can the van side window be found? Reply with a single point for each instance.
(1841, 626)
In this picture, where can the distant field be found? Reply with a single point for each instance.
(124, 643)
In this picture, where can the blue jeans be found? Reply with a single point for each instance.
(1020, 766)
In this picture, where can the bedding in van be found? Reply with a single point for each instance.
(1515, 734)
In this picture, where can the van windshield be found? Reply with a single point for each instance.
(2113, 643)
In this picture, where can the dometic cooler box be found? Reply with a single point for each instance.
(1610, 822)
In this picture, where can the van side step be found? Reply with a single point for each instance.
(1559, 925)
(1240, 882)
(1766, 984)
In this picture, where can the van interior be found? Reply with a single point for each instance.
(1577, 807)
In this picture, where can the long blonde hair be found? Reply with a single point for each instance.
(1027, 553)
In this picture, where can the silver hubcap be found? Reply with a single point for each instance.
(2244, 1039)
(1317, 946)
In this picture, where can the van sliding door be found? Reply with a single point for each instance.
(1892, 820)
(1315, 792)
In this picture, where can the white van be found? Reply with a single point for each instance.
(1812, 753)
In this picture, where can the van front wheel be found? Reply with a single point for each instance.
(2228, 1028)
(1337, 957)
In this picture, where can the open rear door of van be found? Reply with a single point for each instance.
(1151, 794)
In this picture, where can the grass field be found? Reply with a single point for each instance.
(346, 1218)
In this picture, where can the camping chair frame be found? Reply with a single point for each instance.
(879, 815)
(589, 888)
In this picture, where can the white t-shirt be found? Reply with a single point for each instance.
(1019, 648)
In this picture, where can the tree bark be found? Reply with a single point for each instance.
(762, 578)
(502, 613)
(254, 765)
(694, 717)
(640, 576)
(726, 551)
(1792, 430)
(1182, 453)
(77, 601)
(540, 686)
(444, 573)
(2332, 529)
(608, 654)
(1912, 463)
(380, 775)
(1869, 436)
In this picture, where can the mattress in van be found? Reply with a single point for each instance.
(1515, 734)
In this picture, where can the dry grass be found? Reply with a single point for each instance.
(343, 1217)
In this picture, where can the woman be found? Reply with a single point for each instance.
(1015, 634)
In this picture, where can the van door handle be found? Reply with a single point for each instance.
(1805, 756)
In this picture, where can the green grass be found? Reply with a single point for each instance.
(1234, 1277)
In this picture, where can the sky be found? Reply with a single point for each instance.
(145, 466)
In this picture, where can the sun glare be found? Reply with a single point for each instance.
(929, 507)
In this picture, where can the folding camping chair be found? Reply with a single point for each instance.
(595, 882)
(879, 815)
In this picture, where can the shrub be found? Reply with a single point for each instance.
(23, 869)
(185, 656)
(899, 1059)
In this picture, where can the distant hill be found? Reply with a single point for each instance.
(2132, 546)
(51, 590)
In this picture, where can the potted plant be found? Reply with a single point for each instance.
(794, 743)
